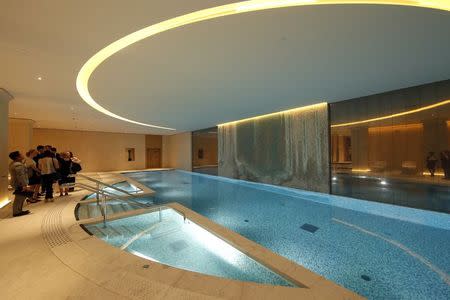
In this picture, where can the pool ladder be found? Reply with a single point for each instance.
(102, 195)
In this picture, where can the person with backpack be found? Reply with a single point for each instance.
(76, 167)
(19, 181)
(65, 169)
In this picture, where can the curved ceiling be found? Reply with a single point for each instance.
(230, 68)
(215, 71)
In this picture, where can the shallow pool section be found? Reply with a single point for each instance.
(167, 237)
(378, 250)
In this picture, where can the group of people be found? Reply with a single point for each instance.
(432, 162)
(33, 175)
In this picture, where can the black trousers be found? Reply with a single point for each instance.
(20, 196)
(47, 183)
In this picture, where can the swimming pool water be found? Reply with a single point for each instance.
(378, 250)
(168, 238)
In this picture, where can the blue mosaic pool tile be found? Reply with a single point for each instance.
(353, 239)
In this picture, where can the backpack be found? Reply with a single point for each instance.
(76, 168)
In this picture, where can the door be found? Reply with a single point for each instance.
(153, 158)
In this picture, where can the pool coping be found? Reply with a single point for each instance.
(90, 255)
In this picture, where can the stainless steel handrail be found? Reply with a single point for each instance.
(105, 184)
(99, 191)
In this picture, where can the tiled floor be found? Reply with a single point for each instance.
(30, 270)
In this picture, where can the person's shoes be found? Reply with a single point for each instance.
(66, 194)
(22, 213)
(32, 200)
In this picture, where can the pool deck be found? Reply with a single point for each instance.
(47, 255)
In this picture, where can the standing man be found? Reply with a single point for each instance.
(40, 149)
(19, 181)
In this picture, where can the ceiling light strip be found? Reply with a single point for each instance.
(413, 111)
(297, 109)
(206, 14)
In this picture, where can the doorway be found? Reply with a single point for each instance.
(153, 158)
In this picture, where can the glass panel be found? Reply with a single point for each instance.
(204, 151)
(394, 147)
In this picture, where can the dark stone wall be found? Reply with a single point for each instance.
(289, 149)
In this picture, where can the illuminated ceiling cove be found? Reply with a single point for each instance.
(206, 14)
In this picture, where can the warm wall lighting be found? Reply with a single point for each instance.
(408, 112)
(405, 127)
(207, 14)
(4, 202)
(276, 113)
(435, 173)
(360, 170)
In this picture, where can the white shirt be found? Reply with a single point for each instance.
(48, 165)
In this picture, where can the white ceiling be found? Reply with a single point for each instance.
(211, 72)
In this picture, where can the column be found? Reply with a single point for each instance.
(5, 97)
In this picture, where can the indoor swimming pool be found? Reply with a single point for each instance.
(166, 237)
(378, 250)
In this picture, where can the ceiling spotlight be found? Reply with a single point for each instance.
(383, 182)
(39, 78)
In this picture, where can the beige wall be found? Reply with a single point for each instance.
(177, 151)
(397, 144)
(153, 141)
(98, 151)
(20, 135)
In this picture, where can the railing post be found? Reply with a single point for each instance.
(160, 216)
(97, 196)
(104, 211)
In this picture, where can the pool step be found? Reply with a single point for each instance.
(92, 210)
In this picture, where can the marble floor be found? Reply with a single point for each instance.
(30, 270)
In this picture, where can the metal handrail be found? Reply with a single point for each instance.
(105, 194)
(101, 192)
(105, 184)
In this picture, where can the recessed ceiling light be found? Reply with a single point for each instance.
(39, 78)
